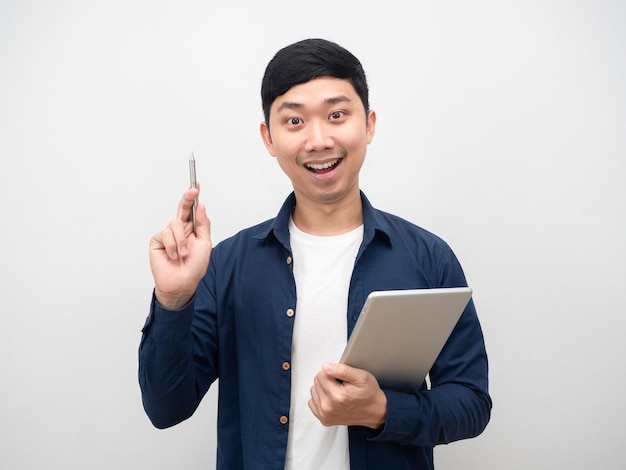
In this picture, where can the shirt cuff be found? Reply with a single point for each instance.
(400, 421)
(168, 326)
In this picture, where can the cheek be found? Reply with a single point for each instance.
(287, 148)
(286, 154)
(355, 135)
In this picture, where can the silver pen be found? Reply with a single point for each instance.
(194, 184)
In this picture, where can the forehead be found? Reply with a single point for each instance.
(316, 92)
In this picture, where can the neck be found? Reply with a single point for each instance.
(327, 219)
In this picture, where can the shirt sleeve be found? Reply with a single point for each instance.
(178, 358)
(458, 404)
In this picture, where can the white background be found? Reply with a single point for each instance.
(501, 127)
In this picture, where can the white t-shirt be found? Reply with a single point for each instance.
(322, 270)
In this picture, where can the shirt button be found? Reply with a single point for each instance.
(286, 366)
(283, 419)
(289, 259)
(290, 312)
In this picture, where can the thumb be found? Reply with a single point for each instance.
(341, 372)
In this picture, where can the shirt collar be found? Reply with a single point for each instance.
(373, 223)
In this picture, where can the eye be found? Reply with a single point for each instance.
(336, 115)
(295, 121)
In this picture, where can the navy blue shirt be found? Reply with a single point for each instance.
(238, 328)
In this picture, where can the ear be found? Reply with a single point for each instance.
(370, 127)
(267, 138)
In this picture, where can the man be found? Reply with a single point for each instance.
(273, 308)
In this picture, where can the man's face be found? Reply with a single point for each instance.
(319, 132)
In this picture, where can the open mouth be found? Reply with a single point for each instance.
(323, 167)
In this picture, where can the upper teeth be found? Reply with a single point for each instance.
(322, 166)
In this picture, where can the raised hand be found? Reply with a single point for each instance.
(178, 258)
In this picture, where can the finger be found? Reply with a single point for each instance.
(185, 206)
(319, 389)
(157, 242)
(327, 384)
(315, 402)
(323, 403)
(179, 233)
(168, 241)
(203, 224)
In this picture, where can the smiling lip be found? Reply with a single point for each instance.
(323, 166)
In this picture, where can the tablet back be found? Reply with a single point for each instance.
(400, 333)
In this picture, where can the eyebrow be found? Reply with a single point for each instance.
(331, 101)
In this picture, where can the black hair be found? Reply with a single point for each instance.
(308, 59)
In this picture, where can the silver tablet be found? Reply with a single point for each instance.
(400, 333)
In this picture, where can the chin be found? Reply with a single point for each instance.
(331, 196)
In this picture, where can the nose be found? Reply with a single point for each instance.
(318, 137)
